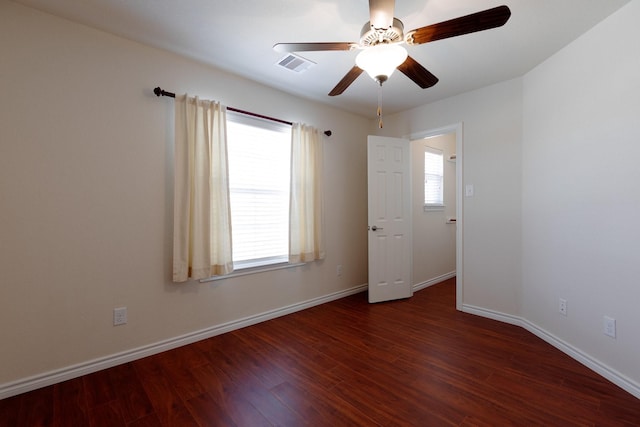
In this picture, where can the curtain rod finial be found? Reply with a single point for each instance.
(327, 132)
(157, 91)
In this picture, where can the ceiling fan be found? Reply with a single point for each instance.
(381, 42)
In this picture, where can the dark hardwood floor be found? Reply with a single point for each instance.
(416, 362)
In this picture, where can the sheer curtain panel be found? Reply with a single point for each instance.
(202, 215)
(306, 241)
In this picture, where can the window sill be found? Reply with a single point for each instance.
(431, 208)
(253, 270)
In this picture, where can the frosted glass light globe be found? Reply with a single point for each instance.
(381, 60)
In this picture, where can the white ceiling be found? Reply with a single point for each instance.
(238, 36)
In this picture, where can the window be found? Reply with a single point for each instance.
(259, 154)
(433, 179)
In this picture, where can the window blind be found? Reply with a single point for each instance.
(259, 172)
(433, 177)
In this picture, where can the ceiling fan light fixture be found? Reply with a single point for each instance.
(381, 60)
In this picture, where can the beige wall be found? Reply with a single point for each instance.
(581, 204)
(434, 241)
(86, 198)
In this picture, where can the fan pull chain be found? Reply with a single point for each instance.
(379, 112)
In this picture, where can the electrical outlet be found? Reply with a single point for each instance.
(610, 326)
(562, 306)
(339, 270)
(119, 316)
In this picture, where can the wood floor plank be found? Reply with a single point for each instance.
(547, 399)
(133, 399)
(98, 389)
(182, 379)
(320, 409)
(414, 362)
(10, 410)
(260, 364)
(208, 413)
(150, 420)
(299, 361)
(106, 415)
(179, 417)
(37, 408)
(273, 409)
(69, 404)
(391, 403)
(227, 384)
(167, 403)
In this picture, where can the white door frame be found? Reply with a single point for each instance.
(457, 129)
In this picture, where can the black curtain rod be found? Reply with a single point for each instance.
(160, 92)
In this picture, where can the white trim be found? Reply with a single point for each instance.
(252, 270)
(433, 208)
(594, 364)
(434, 281)
(74, 371)
(494, 315)
(459, 215)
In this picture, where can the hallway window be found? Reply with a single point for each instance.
(433, 179)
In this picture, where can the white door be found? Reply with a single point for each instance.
(389, 206)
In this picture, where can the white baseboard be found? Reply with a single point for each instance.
(435, 280)
(494, 315)
(70, 372)
(595, 365)
(53, 377)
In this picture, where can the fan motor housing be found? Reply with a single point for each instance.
(372, 36)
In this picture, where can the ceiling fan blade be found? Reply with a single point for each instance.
(305, 47)
(479, 21)
(416, 72)
(381, 13)
(349, 78)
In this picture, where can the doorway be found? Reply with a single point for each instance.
(438, 230)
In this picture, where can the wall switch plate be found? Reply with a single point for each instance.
(339, 270)
(562, 306)
(119, 316)
(469, 190)
(610, 326)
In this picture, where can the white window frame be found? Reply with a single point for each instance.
(273, 171)
(433, 171)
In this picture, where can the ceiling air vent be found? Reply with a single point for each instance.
(295, 63)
